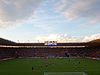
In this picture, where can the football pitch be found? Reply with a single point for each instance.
(41, 66)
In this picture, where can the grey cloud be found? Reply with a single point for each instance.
(17, 10)
(73, 9)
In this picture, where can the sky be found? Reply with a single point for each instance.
(42, 20)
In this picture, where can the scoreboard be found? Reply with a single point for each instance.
(50, 43)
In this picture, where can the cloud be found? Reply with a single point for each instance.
(57, 37)
(16, 11)
(90, 38)
(66, 38)
(76, 9)
(61, 38)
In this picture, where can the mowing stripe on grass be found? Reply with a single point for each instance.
(65, 73)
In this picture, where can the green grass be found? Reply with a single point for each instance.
(23, 66)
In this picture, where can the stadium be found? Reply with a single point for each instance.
(49, 58)
(49, 37)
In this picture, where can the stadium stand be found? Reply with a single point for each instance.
(9, 49)
(6, 42)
